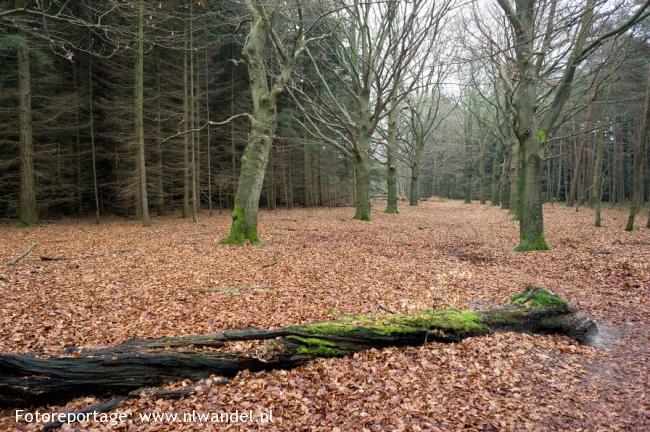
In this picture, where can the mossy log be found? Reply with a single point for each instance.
(28, 380)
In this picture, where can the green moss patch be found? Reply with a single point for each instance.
(316, 347)
(538, 297)
(537, 244)
(450, 321)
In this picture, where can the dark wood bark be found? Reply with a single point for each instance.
(29, 380)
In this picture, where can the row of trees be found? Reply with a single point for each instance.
(127, 105)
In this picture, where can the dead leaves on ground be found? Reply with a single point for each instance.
(326, 266)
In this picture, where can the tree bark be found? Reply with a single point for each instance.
(28, 212)
(514, 193)
(596, 194)
(92, 138)
(639, 161)
(186, 120)
(481, 170)
(192, 121)
(496, 179)
(362, 186)
(134, 364)
(139, 117)
(361, 160)
(391, 168)
(414, 189)
(504, 185)
(256, 154)
(160, 195)
(531, 221)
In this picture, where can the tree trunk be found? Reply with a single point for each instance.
(596, 194)
(415, 181)
(597, 180)
(481, 170)
(139, 117)
(256, 154)
(504, 185)
(531, 219)
(362, 182)
(160, 196)
(361, 160)
(28, 212)
(391, 168)
(639, 161)
(207, 116)
(515, 178)
(577, 162)
(494, 187)
(192, 113)
(135, 364)
(92, 138)
(186, 120)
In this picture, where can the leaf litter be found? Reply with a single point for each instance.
(179, 280)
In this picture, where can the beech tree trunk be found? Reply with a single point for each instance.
(504, 184)
(391, 168)
(481, 170)
(256, 154)
(362, 186)
(414, 190)
(28, 380)
(514, 179)
(496, 179)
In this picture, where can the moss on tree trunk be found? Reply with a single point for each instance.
(27, 380)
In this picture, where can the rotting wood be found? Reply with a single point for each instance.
(29, 380)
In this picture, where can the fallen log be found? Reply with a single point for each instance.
(29, 380)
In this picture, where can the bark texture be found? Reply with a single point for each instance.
(391, 168)
(256, 155)
(28, 380)
(28, 212)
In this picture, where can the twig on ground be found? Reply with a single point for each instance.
(385, 309)
(271, 264)
(235, 290)
(66, 258)
(29, 250)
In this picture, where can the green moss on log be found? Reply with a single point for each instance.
(448, 321)
(538, 297)
(316, 347)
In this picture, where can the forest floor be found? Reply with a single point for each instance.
(318, 264)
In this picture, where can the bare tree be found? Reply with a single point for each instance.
(639, 161)
(264, 116)
(376, 51)
(536, 26)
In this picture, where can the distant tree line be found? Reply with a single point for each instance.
(127, 106)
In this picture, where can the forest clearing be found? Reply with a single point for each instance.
(318, 264)
(327, 215)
